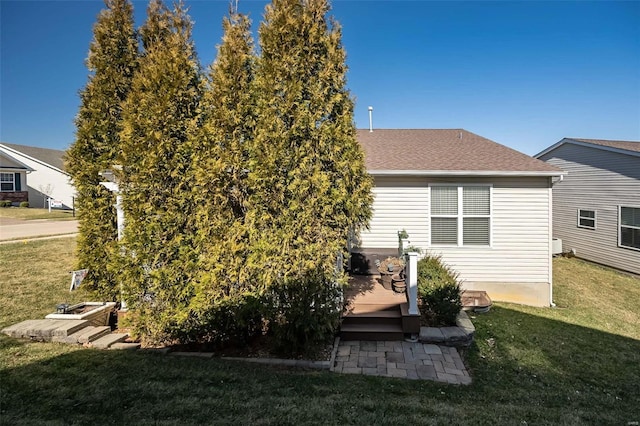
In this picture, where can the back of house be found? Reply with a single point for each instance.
(484, 207)
(596, 207)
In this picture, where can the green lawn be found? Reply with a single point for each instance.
(576, 364)
(33, 213)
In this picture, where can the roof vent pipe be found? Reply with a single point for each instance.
(371, 119)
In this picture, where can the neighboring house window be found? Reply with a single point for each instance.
(461, 215)
(586, 219)
(629, 220)
(7, 182)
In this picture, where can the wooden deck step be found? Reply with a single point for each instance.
(371, 332)
(108, 340)
(359, 308)
(374, 317)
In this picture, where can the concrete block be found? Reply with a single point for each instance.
(69, 327)
(431, 335)
(370, 371)
(125, 346)
(106, 341)
(394, 372)
(432, 349)
(453, 334)
(426, 372)
(88, 334)
(19, 329)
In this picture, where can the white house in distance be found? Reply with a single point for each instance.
(485, 208)
(13, 179)
(596, 210)
(46, 175)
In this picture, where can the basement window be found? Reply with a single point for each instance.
(629, 229)
(586, 219)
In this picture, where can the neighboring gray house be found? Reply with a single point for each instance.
(46, 175)
(596, 209)
(485, 208)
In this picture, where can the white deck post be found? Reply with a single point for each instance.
(119, 215)
(411, 281)
(114, 187)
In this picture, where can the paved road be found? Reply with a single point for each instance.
(18, 229)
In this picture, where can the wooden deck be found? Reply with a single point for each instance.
(367, 292)
(371, 311)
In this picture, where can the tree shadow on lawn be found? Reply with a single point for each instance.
(535, 369)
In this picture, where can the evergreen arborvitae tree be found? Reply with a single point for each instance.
(308, 179)
(221, 164)
(112, 61)
(160, 112)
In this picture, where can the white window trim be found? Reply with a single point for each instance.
(626, 226)
(594, 218)
(460, 216)
(13, 182)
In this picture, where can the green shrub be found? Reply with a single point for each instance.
(5, 203)
(232, 320)
(303, 313)
(24, 204)
(438, 291)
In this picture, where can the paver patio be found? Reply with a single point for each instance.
(409, 360)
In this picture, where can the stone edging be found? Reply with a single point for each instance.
(300, 363)
(460, 336)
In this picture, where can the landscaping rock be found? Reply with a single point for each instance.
(431, 335)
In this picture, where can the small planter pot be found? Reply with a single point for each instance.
(386, 280)
(397, 284)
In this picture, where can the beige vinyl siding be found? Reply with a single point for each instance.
(520, 233)
(597, 180)
(399, 203)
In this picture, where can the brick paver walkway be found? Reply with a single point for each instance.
(401, 359)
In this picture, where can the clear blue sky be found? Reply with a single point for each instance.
(524, 74)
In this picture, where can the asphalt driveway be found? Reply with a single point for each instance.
(11, 229)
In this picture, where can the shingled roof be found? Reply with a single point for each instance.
(444, 152)
(622, 147)
(626, 145)
(51, 157)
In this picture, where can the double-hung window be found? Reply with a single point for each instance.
(586, 219)
(7, 182)
(460, 215)
(629, 229)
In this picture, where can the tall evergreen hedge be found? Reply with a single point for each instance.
(240, 190)
(308, 180)
(309, 185)
(161, 110)
(225, 288)
(112, 61)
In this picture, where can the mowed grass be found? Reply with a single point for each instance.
(576, 364)
(30, 213)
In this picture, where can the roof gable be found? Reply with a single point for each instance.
(622, 147)
(50, 157)
(444, 152)
(7, 161)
